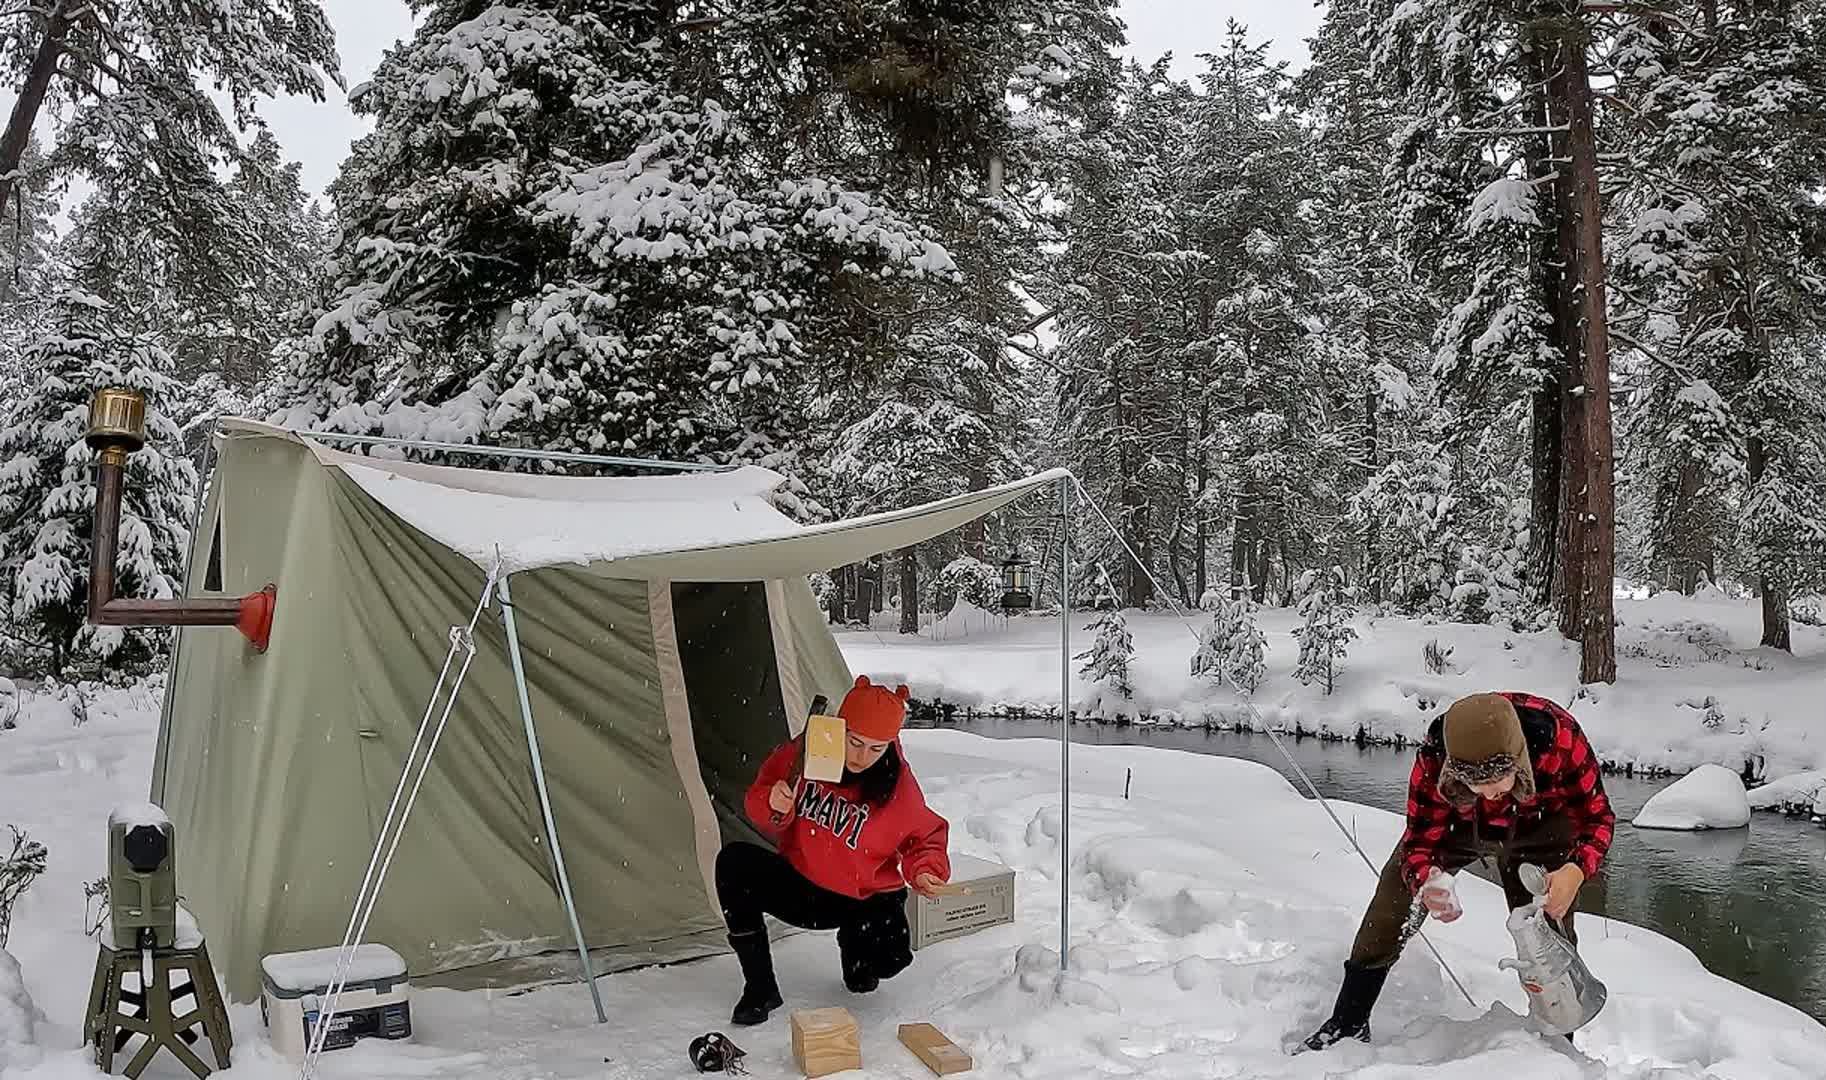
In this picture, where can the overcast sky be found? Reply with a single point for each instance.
(318, 134)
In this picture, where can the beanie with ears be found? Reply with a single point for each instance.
(874, 712)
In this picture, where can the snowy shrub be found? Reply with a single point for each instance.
(18, 870)
(971, 580)
(1326, 633)
(1808, 610)
(1470, 601)
(10, 704)
(1106, 662)
(1438, 658)
(825, 589)
(1232, 649)
(1211, 600)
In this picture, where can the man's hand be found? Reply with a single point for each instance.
(781, 798)
(926, 885)
(1562, 889)
(1438, 896)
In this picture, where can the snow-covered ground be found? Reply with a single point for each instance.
(1693, 683)
(1209, 916)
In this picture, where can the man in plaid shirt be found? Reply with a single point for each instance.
(1506, 775)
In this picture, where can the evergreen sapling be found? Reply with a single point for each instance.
(1326, 633)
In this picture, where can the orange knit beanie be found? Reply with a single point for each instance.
(874, 712)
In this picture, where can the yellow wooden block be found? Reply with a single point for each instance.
(824, 749)
(826, 1041)
(930, 1046)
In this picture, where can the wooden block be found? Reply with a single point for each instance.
(824, 749)
(930, 1046)
(826, 1041)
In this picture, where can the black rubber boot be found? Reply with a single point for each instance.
(1350, 1015)
(760, 992)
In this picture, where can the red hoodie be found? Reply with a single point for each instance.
(845, 846)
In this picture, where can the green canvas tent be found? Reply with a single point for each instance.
(667, 638)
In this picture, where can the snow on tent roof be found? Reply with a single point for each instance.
(717, 526)
(531, 531)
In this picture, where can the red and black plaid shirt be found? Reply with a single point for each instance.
(1567, 782)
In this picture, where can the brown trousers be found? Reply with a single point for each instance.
(1547, 843)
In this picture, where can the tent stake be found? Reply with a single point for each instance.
(545, 799)
(1065, 724)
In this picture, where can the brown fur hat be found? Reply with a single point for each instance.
(1484, 742)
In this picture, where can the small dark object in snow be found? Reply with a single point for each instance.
(715, 1053)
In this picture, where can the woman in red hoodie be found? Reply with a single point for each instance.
(848, 852)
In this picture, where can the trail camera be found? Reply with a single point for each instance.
(142, 878)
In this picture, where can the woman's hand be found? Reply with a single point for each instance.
(1562, 889)
(926, 885)
(782, 798)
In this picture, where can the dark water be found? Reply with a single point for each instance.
(1750, 903)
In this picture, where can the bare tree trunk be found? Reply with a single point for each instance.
(1544, 505)
(1688, 543)
(1372, 528)
(31, 96)
(1588, 549)
(909, 590)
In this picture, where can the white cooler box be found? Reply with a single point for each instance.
(373, 1003)
(990, 902)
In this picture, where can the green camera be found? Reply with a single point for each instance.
(142, 878)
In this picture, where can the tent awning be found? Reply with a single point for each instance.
(696, 527)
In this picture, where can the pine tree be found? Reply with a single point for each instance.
(1232, 649)
(129, 80)
(1326, 633)
(1106, 662)
(47, 490)
(1722, 283)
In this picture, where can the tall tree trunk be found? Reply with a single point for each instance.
(1772, 578)
(31, 95)
(1242, 536)
(1588, 548)
(1544, 452)
(1689, 543)
(1372, 537)
(909, 590)
(1546, 429)
(1202, 545)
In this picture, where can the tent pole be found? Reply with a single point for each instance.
(545, 799)
(1065, 724)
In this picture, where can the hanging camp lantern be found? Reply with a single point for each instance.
(1017, 583)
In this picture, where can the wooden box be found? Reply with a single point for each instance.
(824, 749)
(826, 1041)
(930, 1046)
(980, 895)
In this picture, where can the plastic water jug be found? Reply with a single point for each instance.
(1563, 994)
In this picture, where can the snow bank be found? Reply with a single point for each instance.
(965, 620)
(18, 1017)
(1802, 789)
(1693, 685)
(1709, 797)
(1210, 915)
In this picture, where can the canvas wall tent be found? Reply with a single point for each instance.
(669, 640)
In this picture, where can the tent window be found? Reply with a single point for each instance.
(732, 683)
(212, 569)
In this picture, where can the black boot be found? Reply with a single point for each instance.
(1350, 1015)
(760, 992)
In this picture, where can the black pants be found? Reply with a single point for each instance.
(873, 939)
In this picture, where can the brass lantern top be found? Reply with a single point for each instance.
(117, 420)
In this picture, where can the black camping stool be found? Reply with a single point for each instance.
(117, 1013)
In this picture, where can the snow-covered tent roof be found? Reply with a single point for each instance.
(710, 526)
